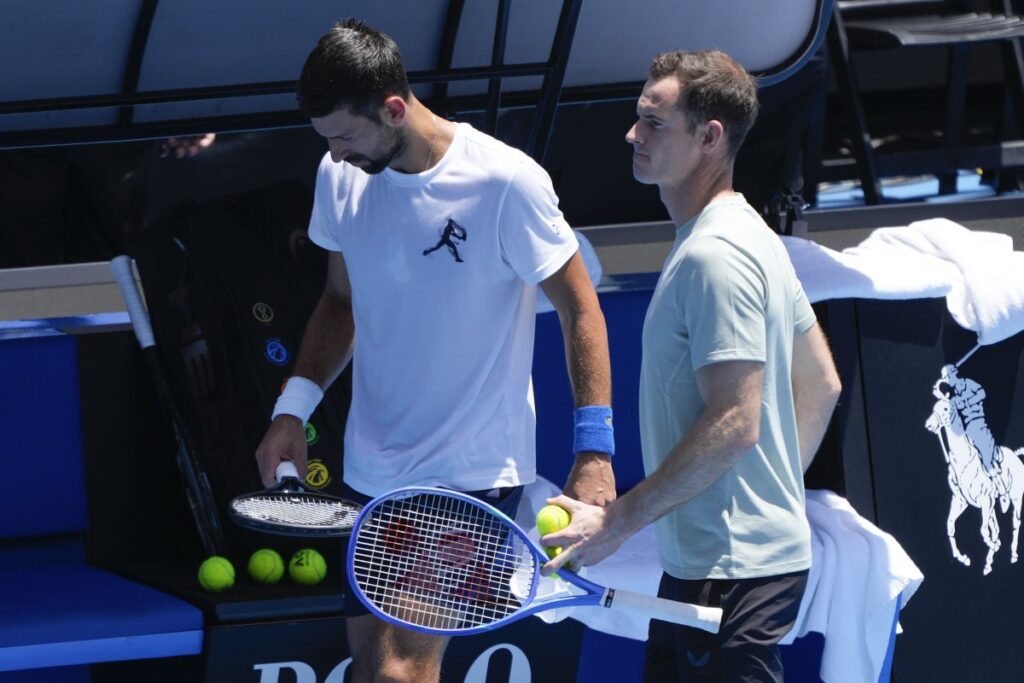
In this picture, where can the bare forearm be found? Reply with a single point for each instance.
(591, 479)
(813, 412)
(327, 342)
(816, 388)
(712, 446)
(586, 355)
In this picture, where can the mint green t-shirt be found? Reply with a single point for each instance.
(727, 292)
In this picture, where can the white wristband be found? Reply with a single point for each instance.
(300, 398)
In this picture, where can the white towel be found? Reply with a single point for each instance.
(857, 574)
(978, 272)
(634, 567)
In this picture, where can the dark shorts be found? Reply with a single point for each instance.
(757, 613)
(505, 499)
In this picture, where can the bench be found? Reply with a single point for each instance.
(55, 608)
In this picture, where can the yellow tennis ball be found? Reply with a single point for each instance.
(307, 566)
(552, 518)
(216, 574)
(266, 566)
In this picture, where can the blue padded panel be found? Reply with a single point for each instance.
(36, 552)
(66, 614)
(624, 313)
(41, 435)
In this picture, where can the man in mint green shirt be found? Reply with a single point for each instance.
(737, 387)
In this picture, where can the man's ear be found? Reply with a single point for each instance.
(714, 135)
(393, 111)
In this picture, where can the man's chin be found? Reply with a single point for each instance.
(369, 166)
(642, 178)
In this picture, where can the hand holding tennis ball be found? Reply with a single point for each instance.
(552, 518)
(307, 567)
(216, 574)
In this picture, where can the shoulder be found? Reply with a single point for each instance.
(708, 249)
(480, 143)
(493, 156)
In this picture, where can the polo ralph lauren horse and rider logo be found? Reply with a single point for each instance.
(453, 234)
(981, 473)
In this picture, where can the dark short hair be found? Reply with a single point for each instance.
(353, 66)
(714, 87)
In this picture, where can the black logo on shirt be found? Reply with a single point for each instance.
(453, 232)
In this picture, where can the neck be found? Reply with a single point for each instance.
(686, 199)
(428, 137)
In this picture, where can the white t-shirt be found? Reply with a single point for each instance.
(443, 266)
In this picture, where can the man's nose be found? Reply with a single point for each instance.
(631, 136)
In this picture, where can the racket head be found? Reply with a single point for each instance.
(441, 562)
(290, 509)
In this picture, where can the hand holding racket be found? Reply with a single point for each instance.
(289, 509)
(445, 563)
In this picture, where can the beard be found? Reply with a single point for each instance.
(380, 160)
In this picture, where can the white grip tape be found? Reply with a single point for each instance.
(300, 398)
(285, 469)
(125, 278)
(705, 618)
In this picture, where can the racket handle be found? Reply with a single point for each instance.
(122, 269)
(286, 469)
(705, 618)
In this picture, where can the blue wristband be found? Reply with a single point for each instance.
(592, 430)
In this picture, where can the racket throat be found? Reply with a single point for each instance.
(608, 597)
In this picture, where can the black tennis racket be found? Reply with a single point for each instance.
(441, 562)
(197, 486)
(289, 509)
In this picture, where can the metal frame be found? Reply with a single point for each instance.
(953, 154)
(140, 39)
(546, 99)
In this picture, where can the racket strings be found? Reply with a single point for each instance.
(297, 510)
(441, 562)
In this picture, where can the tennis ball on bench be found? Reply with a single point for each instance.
(216, 574)
(307, 567)
(266, 566)
(552, 518)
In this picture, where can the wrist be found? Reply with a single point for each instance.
(299, 399)
(592, 430)
(622, 516)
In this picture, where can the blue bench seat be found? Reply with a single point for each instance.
(63, 612)
(55, 608)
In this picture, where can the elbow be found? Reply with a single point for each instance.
(833, 388)
(748, 439)
(747, 434)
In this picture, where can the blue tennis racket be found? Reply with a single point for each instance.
(441, 562)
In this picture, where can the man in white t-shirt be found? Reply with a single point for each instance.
(438, 236)
(737, 385)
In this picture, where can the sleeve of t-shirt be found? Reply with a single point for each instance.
(323, 229)
(803, 314)
(535, 238)
(722, 297)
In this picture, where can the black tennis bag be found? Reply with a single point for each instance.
(230, 285)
